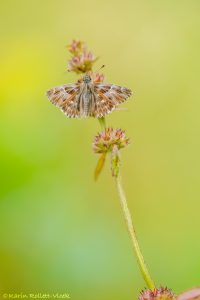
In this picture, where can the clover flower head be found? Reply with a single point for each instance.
(106, 140)
(157, 294)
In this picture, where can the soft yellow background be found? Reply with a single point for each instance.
(59, 230)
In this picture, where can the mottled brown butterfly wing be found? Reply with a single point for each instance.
(78, 100)
(108, 97)
(66, 98)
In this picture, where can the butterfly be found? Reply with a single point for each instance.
(87, 98)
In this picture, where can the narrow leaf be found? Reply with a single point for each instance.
(99, 166)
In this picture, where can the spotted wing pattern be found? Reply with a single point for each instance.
(101, 99)
(108, 97)
(66, 97)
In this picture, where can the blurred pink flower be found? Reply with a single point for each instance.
(157, 294)
(82, 60)
(76, 47)
(97, 78)
(191, 294)
(82, 63)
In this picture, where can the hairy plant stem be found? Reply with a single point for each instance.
(131, 231)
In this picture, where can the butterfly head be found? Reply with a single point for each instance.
(87, 78)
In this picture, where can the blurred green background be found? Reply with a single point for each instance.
(59, 230)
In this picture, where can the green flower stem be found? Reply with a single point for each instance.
(129, 223)
(102, 122)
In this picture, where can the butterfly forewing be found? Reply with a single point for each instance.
(108, 97)
(66, 98)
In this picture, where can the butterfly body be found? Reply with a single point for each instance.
(87, 98)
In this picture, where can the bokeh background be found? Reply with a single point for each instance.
(59, 230)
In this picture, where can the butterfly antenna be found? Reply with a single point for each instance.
(103, 66)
